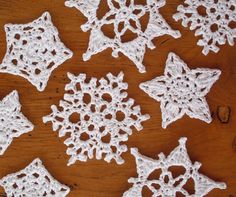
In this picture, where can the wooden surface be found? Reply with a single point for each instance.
(211, 144)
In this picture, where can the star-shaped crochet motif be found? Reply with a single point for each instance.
(182, 91)
(170, 182)
(34, 50)
(33, 181)
(125, 15)
(12, 122)
(214, 21)
(97, 116)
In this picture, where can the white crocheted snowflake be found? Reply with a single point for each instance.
(182, 91)
(98, 116)
(12, 122)
(125, 16)
(213, 20)
(33, 181)
(169, 183)
(34, 50)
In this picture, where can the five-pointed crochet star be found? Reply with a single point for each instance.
(34, 51)
(182, 91)
(33, 181)
(125, 16)
(12, 122)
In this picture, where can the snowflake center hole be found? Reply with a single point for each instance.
(202, 11)
(120, 116)
(84, 137)
(214, 28)
(74, 118)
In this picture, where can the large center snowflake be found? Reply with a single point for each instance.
(125, 16)
(169, 183)
(98, 117)
(182, 91)
(213, 20)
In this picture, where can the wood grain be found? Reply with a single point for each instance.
(211, 144)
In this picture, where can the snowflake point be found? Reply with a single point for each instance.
(183, 141)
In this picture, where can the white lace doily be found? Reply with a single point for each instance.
(34, 50)
(33, 181)
(213, 20)
(125, 16)
(12, 122)
(182, 91)
(168, 184)
(98, 117)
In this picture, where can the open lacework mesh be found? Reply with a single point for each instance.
(213, 20)
(125, 15)
(34, 50)
(104, 119)
(168, 184)
(12, 122)
(182, 91)
(34, 181)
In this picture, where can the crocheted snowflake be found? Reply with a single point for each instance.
(168, 184)
(34, 180)
(213, 20)
(12, 122)
(34, 50)
(98, 116)
(182, 91)
(125, 16)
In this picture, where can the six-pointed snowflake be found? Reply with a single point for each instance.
(168, 184)
(213, 20)
(34, 50)
(33, 181)
(125, 16)
(98, 116)
(182, 91)
(12, 122)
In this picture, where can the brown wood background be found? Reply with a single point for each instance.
(211, 144)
